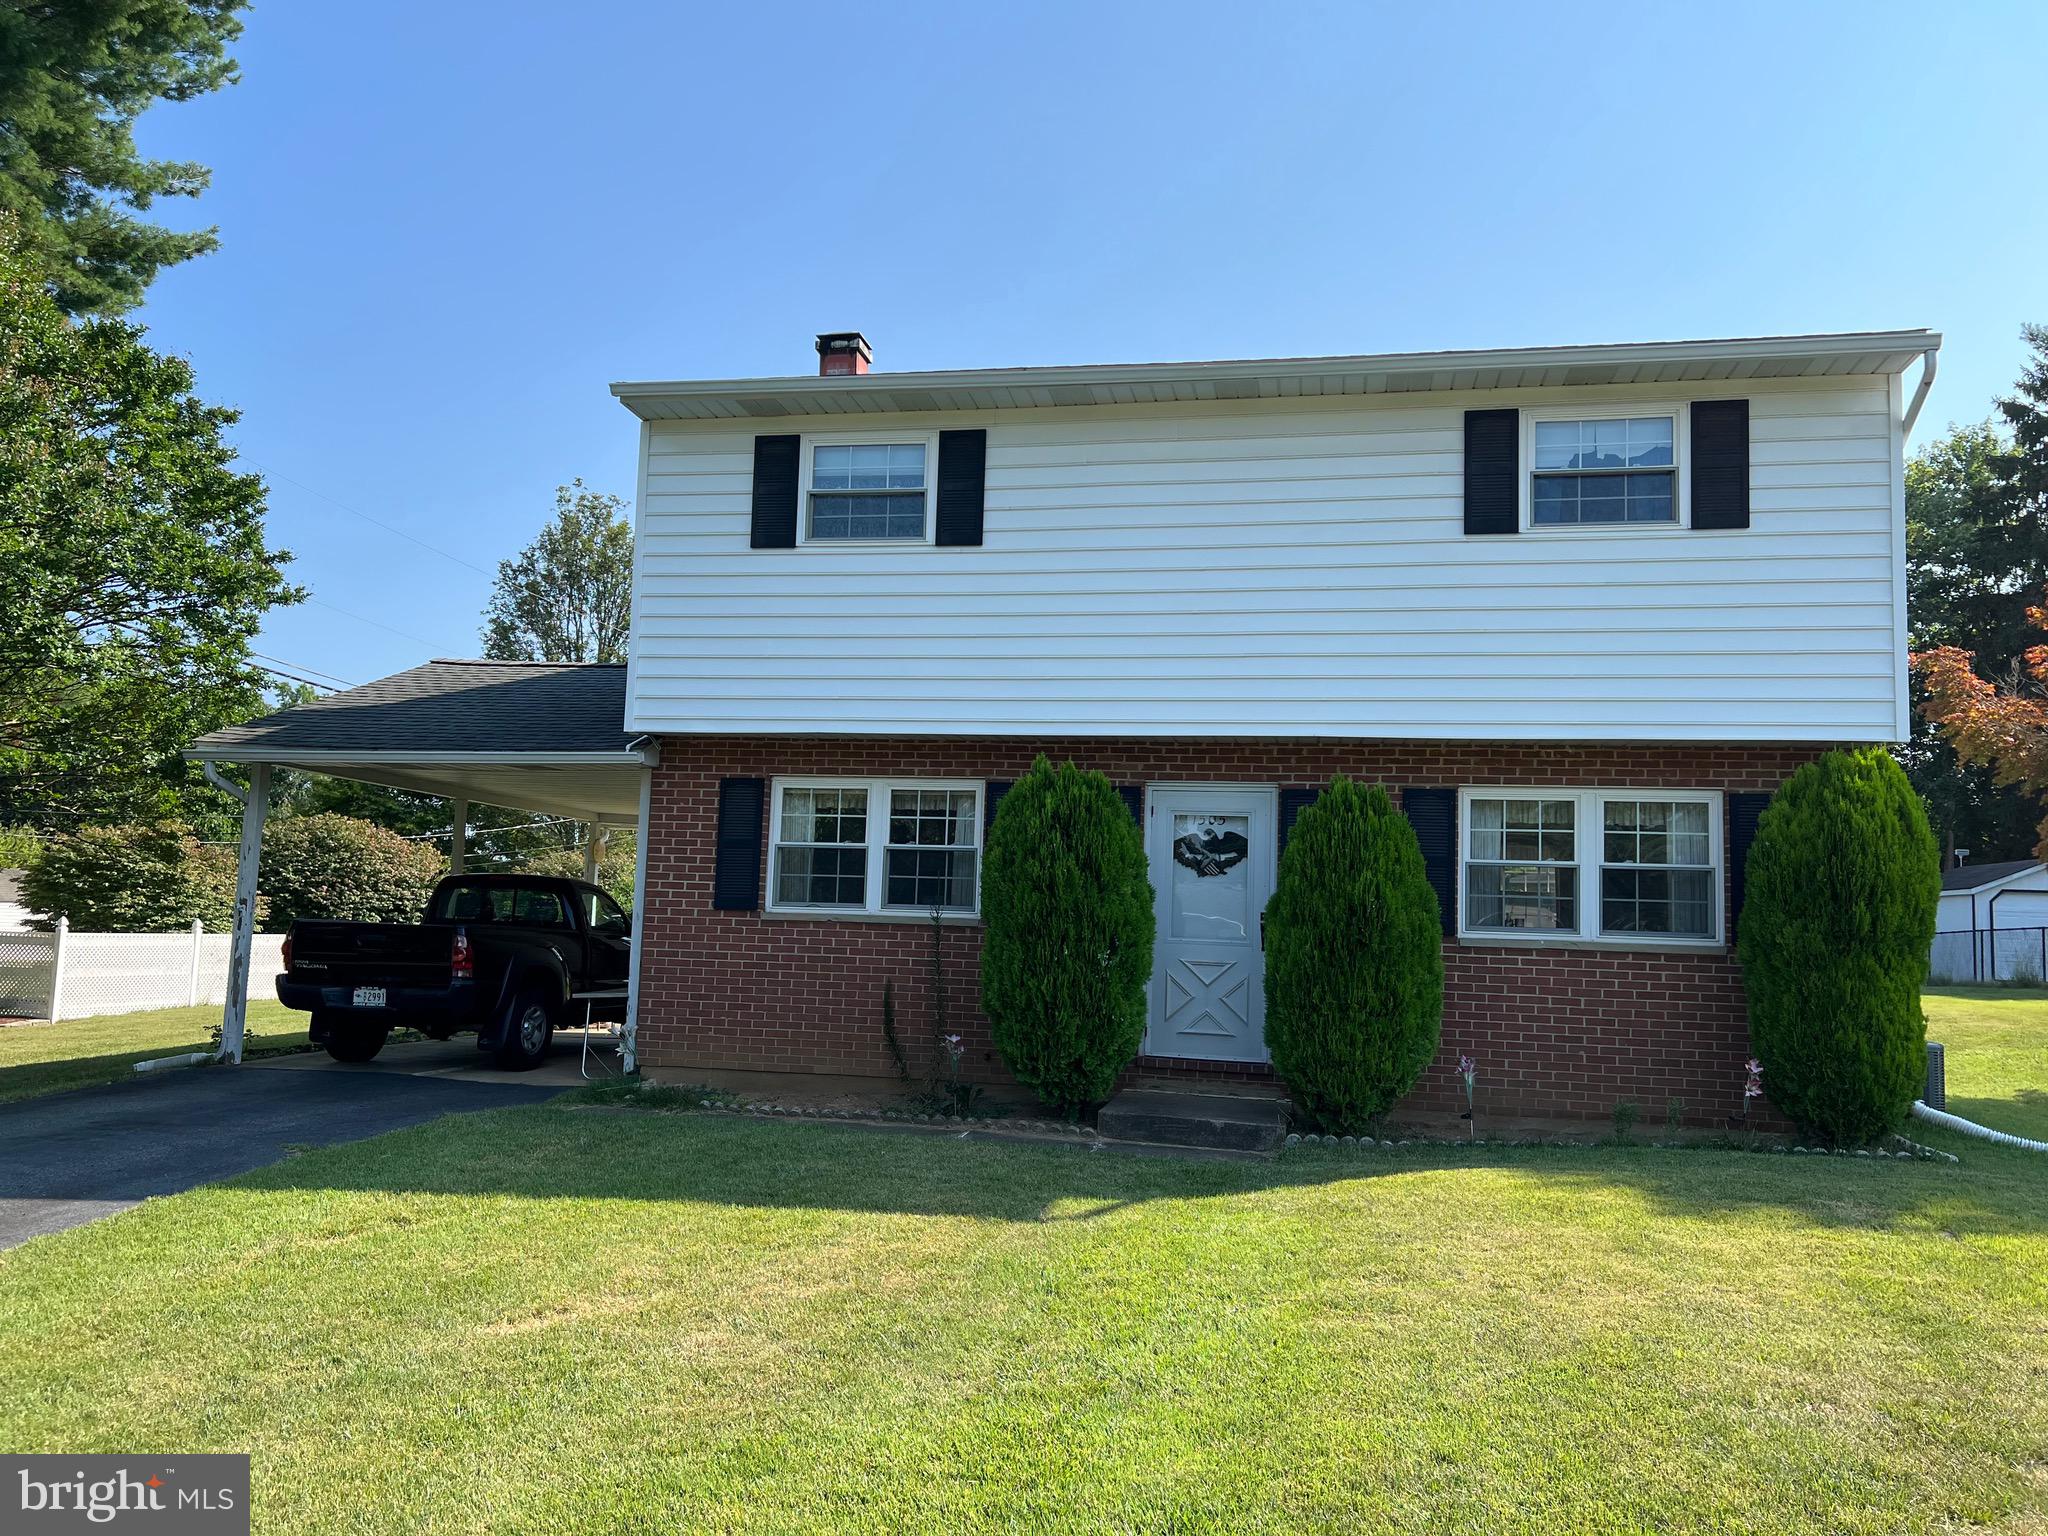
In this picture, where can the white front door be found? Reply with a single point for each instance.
(1212, 870)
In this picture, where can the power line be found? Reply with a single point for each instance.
(302, 667)
(136, 632)
(402, 634)
(312, 683)
(379, 522)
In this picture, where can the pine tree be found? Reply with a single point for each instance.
(74, 78)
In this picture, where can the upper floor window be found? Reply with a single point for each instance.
(1603, 469)
(1621, 865)
(868, 490)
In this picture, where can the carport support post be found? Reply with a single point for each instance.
(629, 1037)
(590, 837)
(458, 842)
(235, 1017)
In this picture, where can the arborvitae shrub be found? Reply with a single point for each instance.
(1354, 960)
(1066, 959)
(1837, 921)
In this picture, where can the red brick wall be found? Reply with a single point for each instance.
(1556, 1031)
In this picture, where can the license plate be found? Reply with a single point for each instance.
(369, 997)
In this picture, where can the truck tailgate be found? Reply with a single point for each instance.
(390, 954)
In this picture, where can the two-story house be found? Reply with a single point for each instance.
(1581, 609)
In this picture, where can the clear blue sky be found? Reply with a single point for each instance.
(446, 228)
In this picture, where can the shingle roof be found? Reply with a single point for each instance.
(1974, 876)
(453, 706)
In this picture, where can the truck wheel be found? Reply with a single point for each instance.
(356, 1039)
(529, 1026)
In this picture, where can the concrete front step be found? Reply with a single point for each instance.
(1230, 1121)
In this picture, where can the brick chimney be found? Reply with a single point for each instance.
(843, 352)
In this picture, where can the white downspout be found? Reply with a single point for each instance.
(1930, 363)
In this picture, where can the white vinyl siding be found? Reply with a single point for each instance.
(1286, 568)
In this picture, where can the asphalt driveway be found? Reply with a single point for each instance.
(71, 1157)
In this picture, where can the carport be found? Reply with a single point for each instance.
(543, 737)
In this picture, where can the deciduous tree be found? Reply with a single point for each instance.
(131, 879)
(1966, 589)
(2004, 729)
(1976, 611)
(568, 596)
(337, 867)
(133, 566)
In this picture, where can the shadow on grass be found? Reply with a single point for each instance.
(554, 1152)
(33, 1079)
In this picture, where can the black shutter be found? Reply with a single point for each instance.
(991, 796)
(775, 491)
(1493, 453)
(1743, 814)
(1134, 800)
(1292, 803)
(736, 869)
(963, 471)
(1720, 463)
(1433, 813)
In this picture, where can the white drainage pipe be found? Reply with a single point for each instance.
(160, 1063)
(1947, 1121)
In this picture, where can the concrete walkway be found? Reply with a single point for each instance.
(71, 1157)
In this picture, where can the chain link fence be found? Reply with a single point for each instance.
(2015, 955)
(69, 975)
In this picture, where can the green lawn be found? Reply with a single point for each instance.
(47, 1058)
(1996, 1048)
(562, 1319)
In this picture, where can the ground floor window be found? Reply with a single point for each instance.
(876, 845)
(1627, 865)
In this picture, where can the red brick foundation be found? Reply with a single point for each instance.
(1557, 1031)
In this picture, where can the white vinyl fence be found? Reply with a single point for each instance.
(65, 975)
(2018, 955)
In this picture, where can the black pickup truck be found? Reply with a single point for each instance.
(503, 955)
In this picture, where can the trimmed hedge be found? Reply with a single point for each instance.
(339, 867)
(1837, 923)
(1066, 960)
(1354, 960)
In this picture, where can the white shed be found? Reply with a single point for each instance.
(1992, 923)
(13, 915)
